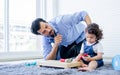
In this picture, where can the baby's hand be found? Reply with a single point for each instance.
(87, 58)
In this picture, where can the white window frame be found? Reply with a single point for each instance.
(6, 55)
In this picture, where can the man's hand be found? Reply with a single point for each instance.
(87, 20)
(52, 54)
(58, 39)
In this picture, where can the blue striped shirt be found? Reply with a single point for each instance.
(69, 26)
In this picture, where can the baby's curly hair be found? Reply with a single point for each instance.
(93, 28)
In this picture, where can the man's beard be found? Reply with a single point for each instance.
(53, 34)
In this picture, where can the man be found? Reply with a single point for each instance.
(66, 32)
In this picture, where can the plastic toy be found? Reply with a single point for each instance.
(84, 55)
(30, 63)
(116, 62)
(66, 60)
(62, 60)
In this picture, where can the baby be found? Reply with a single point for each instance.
(91, 51)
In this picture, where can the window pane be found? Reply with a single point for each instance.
(22, 13)
(1, 24)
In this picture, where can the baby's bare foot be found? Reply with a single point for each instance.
(84, 65)
(85, 69)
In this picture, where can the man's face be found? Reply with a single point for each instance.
(45, 29)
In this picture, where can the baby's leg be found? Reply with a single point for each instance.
(83, 64)
(91, 66)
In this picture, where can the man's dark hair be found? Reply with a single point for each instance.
(93, 28)
(36, 25)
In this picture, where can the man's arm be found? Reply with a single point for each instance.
(80, 16)
(87, 20)
(52, 54)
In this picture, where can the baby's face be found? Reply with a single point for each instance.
(91, 38)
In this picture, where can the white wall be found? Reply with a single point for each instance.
(106, 13)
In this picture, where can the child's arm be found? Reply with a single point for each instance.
(99, 56)
(99, 51)
(80, 54)
(78, 57)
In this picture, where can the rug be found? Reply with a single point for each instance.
(21, 69)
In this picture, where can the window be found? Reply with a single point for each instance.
(21, 14)
(16, 39)
(1, 24)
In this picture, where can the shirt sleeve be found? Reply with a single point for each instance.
(82, 49)
(98, 48)
(70, 18)
(46, 47)
(79, 16)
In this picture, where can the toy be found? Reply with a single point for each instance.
(31, 63)
(62, 60)
(84, 55)
(58, 63)
(67, 60)
(116, 62)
